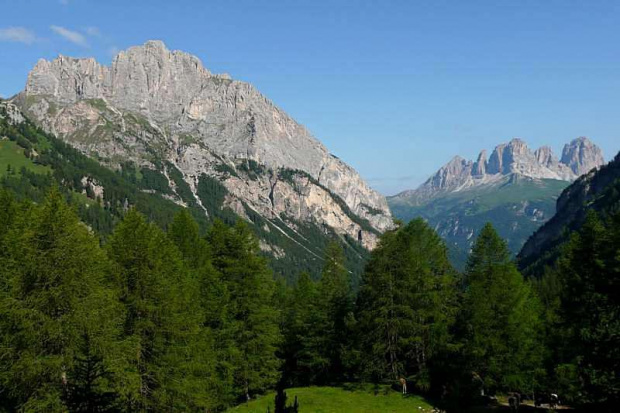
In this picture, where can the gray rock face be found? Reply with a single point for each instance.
(544, 156)
(480, 167)
(512, 158)
(153, 100)
(581, 156)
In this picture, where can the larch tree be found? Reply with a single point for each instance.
(58, 311)
(406, 304)
(171, 367)
(252, 321)
(501, 317)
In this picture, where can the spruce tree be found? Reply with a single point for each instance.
(501, 318)
(406, 305)
(252, 325)
(58, 299)
(171, 367)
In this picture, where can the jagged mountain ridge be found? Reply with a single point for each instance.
(578, 157)
(163, 110)
(515, 189)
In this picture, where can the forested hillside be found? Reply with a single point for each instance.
(151, 321)
(180, 321)
(597, 191)
(32, 161)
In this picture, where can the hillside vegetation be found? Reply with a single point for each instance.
(129, 303)
(32, 162)
(515, 206)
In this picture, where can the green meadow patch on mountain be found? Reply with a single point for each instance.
(12, 158)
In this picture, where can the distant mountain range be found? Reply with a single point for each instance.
(164, 120)
(515, 189)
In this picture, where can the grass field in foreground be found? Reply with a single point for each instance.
(338, 400)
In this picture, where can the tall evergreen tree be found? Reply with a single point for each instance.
(252, 323)
(58, 299)
(588, 359)
(303, 344)
(171, 365)
(406, 304)
(214, 302)
(501, 319)
(334, 304)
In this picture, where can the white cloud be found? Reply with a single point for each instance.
(73, 37)
(93, 31)
(17, 34)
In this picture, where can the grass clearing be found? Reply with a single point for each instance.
(12, 154)
(340, 400)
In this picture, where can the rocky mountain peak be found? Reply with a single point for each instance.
(153, 100)
(545, 156)
(518, 146)
(581, 155)
(514, 158)
(479, 168)
(452, 173)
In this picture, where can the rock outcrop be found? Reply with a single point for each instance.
(581, 156)
(157, 107)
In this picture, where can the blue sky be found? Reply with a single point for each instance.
(395, 88)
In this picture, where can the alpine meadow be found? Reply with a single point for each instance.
(172, 240)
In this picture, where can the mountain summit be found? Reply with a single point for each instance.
(515, 189)
(578, 157)
(164, 112)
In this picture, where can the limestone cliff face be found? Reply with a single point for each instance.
(581, 156)
(153, 103)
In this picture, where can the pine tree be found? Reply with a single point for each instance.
(588, 360)
(406, 305)
(501, 318)
(58, 297)
(252, 323)
(171, 366)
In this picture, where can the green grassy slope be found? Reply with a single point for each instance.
(12, 155)
(338, 400)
